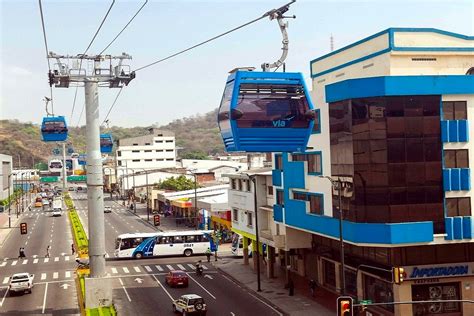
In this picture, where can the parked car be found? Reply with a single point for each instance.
(21, 282)
(70, 189)
(190, 304)
(107, 209)
(177, 278)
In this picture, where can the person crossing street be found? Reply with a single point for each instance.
(208, 254)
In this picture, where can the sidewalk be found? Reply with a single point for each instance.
(4, 230)
(274, 293)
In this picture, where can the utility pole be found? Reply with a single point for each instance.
(98, 288)
(64, 168)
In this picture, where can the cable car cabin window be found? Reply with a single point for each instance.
(56, 164)
(105, 142)
(224, 109)
(54, 127)
(267, 106)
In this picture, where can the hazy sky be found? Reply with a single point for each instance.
(190, 83)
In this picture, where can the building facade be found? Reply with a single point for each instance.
(153, 151)
(6, 178)
(393, 131)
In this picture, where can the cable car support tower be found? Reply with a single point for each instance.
(69, 71)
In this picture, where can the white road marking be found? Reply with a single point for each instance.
(125, 269)
(25, 261)
(5, 280)
(44, 299)
(56, 259)
(46, 260)
(170, 267)
(36, 260)
(68, 274)
(204, 267)
(26, 242)
(14, 263)
(201, 286)
(66, 258)
(43, 276)
(159, 268)
(163, 288)
(126, 293)
(191, 266)
(3, 264)
(114, 270)
(3, 299)
(147, 268)
(137, 269)
(181, 267)
(55, 275)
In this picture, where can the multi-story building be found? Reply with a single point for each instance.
(6, 178)
(393, 130)
(153, 151)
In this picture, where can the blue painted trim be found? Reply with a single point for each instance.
(318, 131)
(430, 30)
(321, 195)
(433, 49)
(399, 85)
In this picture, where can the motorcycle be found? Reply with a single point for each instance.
(199, 270)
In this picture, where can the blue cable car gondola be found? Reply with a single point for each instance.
(54, 129)
(106, 143)
(265, 112)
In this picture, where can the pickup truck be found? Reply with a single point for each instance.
(21, 282)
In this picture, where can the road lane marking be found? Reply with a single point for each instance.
(14, 263)
(36, 260)
(46, 260)
(66, 258)
(68, 274)
(137, 269)
(25, 261)
(170, 267)
(43, 276)
(3, 264)
(204, 267)
(114, 270)
(5, 280)
(201, 286)
(55, 275)
(181, 267)
(3, 299)
(44, 299)
(163, 288)
(191, 266)
(126, 293)
(159, 267)
(125, 269)
(147, 268)
(56, 259)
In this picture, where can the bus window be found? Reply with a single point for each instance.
(204, 238)
(162, 240)
(177, 239)
(190, 239)
(126, 244)
(136, 242)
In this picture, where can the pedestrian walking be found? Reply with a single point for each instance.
(312, 287)
(47, 251)
(22, 253)
(291, 287)
(208, 254)
(73, 249)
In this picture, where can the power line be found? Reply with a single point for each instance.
(126, 25)
(269, 13)
(47, 51)
(113, 104)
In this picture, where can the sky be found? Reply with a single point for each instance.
(191, 83)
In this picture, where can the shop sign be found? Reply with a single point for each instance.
(439, 271)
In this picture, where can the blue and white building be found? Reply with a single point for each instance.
(394, 113)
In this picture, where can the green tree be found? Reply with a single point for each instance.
(180, 183)
(198, 154)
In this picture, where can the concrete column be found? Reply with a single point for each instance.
(270, 262)
(245, 242)
(254, 254)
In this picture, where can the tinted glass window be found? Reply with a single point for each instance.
(224, 109)
(455, 110)
(456, 158)
(54, 126)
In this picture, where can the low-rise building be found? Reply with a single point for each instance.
(6, 179)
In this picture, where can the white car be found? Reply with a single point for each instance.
(21, 282)
(107, 209)
(56, 212)
(190, 304)
(45, 202)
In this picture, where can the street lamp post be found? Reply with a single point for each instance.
(10, 182)
(338, 183)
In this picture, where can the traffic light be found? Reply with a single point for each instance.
(156, 220)
(397, 275)
(344, 306)
(23, 228)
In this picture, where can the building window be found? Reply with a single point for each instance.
(270, 190)
(455, 110)
(148, 151)
(169, 150)
(119, 153)
(135, 144)
(135, 151)
(314, 162)
(120, 162)
(169, 141)
(379, 291)
(329, 274)
(279, 197)
(278, 162)
(169, 159)
(148, 159)
(239, 184)
(235, 215)
(458, 206)
(161, 159)
(158, 141)
(456, 158)
(147, 144)
(233, 184)
(317, 122)
(249, 219)
(315, 201)
(136, 160)
(434, 292)
(247, 185)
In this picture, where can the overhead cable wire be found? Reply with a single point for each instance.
(47, 52)
(90, 44)
(123, 29)
(267, 14)
(113, 104)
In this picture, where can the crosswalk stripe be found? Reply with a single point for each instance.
(14, 263)
(25, 261)
(43, 276)
(191, 266)
(125, 269)
(68, 274)
(137, 269)
(181, 267)
(46, 260)
(55, 275)
(56, 259)
(4, 263)
(66, 258)
(114, 270)
(36, 260)
(147, 268)
(5, 280)
(170, 267)
(204, 267)
(159, 267)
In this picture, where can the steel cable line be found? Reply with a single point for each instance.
(113, 104)
(90, 44)
(47, 52)
(123, 29)
(269, 13)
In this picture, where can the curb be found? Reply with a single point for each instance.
(255, 293)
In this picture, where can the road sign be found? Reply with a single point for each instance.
(77, 178)
(365, 302)
(23, 228)
(156, 220)
(49, 179)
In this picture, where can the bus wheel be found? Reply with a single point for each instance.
(138, 255)
(188, 252)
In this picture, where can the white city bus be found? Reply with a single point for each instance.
(175, 243)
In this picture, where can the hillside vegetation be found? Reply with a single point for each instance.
(196, 134)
